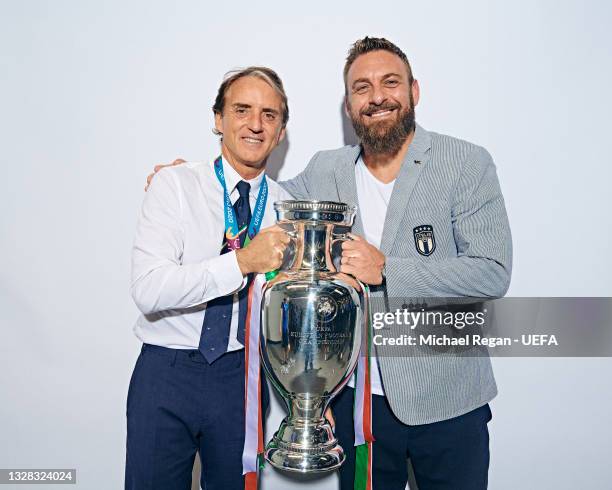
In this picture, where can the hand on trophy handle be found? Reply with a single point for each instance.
(265, 252)
(336, 246)
(290, 250)
(362, 260)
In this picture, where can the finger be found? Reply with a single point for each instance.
(348, 269)
(357, 238)
(276, 236)
(157, 168)
(274, 239)
(178, 161)
(361, 262)
(353, 244)
(354, 272)
(278, 245)
(358, 262)
(280, 235)
(355, 258)
(352, 253)
(149, 178)
(349, 279)
(364, 273)
(272, 228)
(347, 260)
(278, 257)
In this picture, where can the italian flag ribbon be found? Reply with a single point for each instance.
(252, 454)
(362, 415)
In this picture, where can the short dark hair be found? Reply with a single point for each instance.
(369, 44)
(263, 73)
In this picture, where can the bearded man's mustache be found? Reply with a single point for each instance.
(378, 108)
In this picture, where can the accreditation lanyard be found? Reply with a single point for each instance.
(232, 232)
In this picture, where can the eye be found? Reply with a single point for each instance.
(241, 111)
(361, 89)
(270, 116)
(392, 83)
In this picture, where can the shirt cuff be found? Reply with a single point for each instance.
(226, 274)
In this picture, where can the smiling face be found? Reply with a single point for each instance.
(380, 101)
(251, 124)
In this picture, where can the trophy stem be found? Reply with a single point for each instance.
(305, 446)
(303, 407)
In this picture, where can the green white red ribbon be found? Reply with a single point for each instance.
(362, 415)
(252, 454)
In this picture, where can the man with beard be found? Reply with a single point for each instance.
(431, 223)
(434, 224)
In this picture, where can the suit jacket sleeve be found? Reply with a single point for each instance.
(481, 230)
(300, 187)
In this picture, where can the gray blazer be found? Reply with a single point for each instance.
(451, 186)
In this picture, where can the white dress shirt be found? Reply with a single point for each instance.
(376, 194)
(176, 266)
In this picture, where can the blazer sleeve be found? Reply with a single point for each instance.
(483, 265)
(301, 186)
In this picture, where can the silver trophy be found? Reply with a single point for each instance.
(311, 333)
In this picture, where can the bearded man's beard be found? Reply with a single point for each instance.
(386, 137)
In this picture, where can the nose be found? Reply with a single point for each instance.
(255, 122)
(378, 95)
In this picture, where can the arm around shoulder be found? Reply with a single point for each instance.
(301, 186)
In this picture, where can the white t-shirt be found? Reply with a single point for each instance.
(373, 197)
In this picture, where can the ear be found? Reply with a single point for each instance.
(347, 110)
(219, 122)
(281, 135)
(416, 92)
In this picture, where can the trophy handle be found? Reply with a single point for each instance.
(335, 248)
(290, 252)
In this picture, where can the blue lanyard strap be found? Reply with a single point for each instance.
(232, 233)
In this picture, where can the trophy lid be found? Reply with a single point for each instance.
(323, 211)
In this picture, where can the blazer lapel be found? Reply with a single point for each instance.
(347, 188)
(404, 184)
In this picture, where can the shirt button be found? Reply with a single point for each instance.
(207, 328)
(224, 316)
(212, 349)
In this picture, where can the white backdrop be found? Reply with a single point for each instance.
(93, 94)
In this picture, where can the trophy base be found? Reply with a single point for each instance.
(305, 448)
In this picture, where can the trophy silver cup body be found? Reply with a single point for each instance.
(311, 333)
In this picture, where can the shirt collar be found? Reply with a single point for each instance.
(232, 178)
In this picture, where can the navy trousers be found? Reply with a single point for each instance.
(178, 405)
(448, 455)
